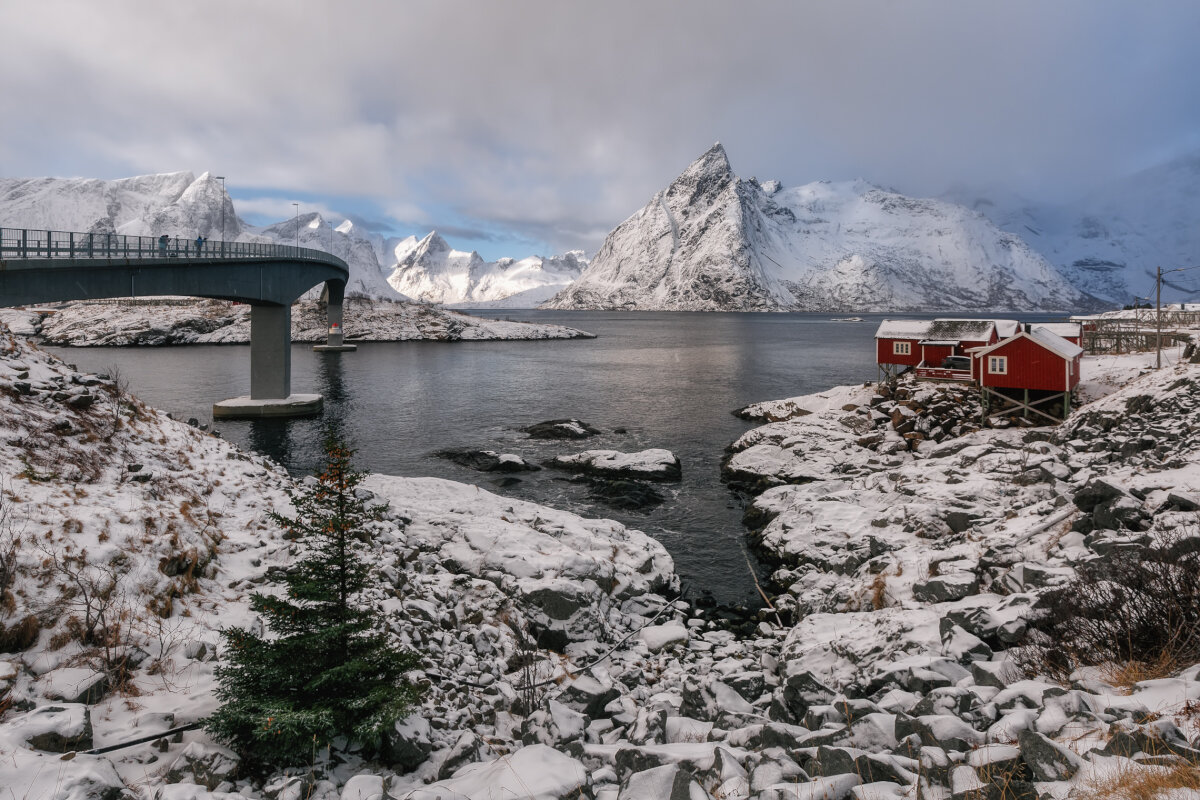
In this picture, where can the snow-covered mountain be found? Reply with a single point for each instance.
(176, 203)
(179, 204)
(348, 242)
(712, 241)
(432, 271)
(1110, 242)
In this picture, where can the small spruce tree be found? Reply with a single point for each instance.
(329, 670)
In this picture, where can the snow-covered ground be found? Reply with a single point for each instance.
(186, 321)
(555, 663)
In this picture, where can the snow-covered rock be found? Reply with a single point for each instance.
(537, 772)
(655, 464)
(565, 571)
(179, 321)
(714, 242)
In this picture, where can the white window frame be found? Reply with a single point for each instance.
(997, 365)
(902, 348)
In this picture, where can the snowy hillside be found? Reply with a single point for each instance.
(1110, 242)
(179, 204)
(431, 271)
(176, 203)
(711, 241)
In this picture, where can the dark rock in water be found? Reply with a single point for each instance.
(507, 482)
(487, 460)
(561, 429)
(624, 494)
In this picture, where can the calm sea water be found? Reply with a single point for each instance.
(669, 379)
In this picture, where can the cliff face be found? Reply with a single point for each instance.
(714, 242)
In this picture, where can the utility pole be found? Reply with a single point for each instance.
(1158, 316)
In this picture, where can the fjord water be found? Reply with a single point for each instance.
(669, 379)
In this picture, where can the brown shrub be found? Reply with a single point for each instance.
(20, 635)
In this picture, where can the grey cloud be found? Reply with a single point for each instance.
(557, 120)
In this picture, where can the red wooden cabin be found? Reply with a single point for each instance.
(1041, 362)
(925, 344)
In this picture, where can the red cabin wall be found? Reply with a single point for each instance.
(1030, 366)
(935, 354)
(884, 354)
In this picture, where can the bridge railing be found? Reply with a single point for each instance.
(19, 243)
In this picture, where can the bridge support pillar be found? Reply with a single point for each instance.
(270, 371)
(270, 352)
(332, 295)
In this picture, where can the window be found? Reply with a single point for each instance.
(901, 348)
(998, 365)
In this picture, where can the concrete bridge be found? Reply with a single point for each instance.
(51, 266)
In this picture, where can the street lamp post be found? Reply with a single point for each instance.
(330, 237)
(296, 206)
(221, 178)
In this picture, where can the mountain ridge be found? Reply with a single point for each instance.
(711, 241)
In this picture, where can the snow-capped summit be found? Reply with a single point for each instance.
(714, 242)
(432, 271)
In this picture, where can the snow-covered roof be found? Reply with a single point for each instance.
(957, 330)
(944, 342)
(1051, 341)
(903, 329)
(1007, 327)
(1061, 328)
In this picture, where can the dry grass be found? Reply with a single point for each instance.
(1137, 782)
(1128, 674)
(879, 591)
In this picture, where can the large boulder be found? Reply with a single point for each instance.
(536, 772)
(654, 464)
(408, 743)
(59, 728)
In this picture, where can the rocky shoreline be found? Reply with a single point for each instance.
(164, 322)
(557, 661)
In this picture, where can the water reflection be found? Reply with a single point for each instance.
(273, 437)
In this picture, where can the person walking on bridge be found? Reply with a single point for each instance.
(199, 244)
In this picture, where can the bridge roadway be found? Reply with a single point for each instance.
(52, 266)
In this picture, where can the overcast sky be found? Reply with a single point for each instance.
(522, 127)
